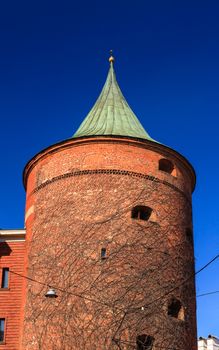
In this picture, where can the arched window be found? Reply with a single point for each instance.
(166, 166)
(141, 212)
(144, 342)
(175, 309)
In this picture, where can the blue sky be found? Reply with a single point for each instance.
(53, 63)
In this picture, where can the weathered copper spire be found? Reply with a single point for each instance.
(111, 114)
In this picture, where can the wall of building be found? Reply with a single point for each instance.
(79, 200)
(211, 343)
(12, 253)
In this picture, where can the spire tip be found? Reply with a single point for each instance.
(111, 58)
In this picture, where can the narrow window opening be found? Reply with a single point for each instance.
(2, 329)
(189, 235)
(175, 309)
(103, 253)
(144, 342)
(166, 166)
(141, 213)
(5, 277)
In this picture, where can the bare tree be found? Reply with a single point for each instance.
(121, 259)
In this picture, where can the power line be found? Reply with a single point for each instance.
(106, 304)
(210, 262)
(186, 280)
(60, 289)
(209, 293)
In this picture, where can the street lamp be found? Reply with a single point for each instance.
(51, 293)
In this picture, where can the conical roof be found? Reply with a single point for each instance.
(111, 114)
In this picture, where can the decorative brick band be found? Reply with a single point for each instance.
(106, 172)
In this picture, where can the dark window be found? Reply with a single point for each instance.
(5, 277)
(5, 250)
(189, 235)
(103, 253)
(166, 166)
(141, 213)
(144, 342)
(175, 309)
(2, 329)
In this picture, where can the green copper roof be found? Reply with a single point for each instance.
(111, 114)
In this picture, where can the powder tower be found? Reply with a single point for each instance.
(109, 236)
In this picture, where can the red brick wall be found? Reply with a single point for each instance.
(12, 256)
(103, 153)
(79, 199)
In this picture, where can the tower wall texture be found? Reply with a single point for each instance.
(80, 197)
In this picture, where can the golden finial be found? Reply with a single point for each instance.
(111, 59)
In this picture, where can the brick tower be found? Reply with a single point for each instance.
(109, 228)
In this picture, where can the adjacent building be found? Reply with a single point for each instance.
(12, 259)
(210, 343)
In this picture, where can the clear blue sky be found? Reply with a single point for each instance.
(53, 63)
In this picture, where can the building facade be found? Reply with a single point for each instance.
(109, 230)
(210, 343)
(12, 257)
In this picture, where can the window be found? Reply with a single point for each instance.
(5, 249)
(166, 166)
(144, 342)
(2, 329)
(175, 309)
(5, 277)
(189, 235)
(141, 213)
(103, 253)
